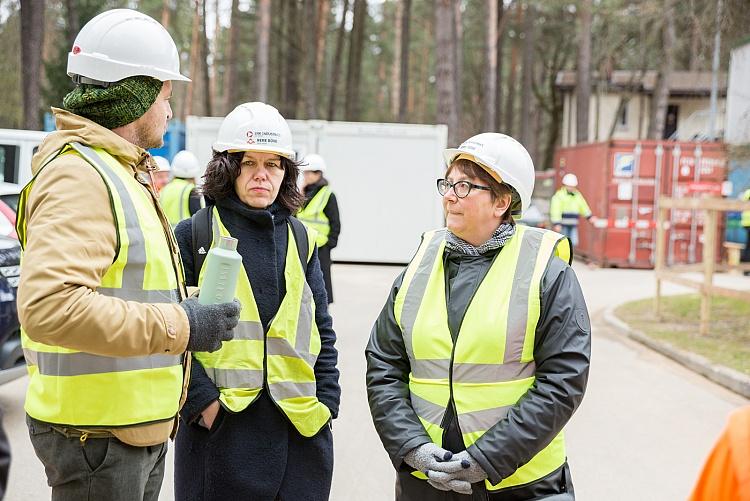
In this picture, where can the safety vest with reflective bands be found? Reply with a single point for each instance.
(175, 200)
(86, 390)
(491, 365)
(290, 346)
(313, 217)
(565, 207)
(745, 221)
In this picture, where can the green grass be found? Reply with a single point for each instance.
(728, 341)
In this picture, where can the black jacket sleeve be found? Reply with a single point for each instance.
(202, 391)
(562, 352)
(328, 390)
(195, 201)
(387, 377)
(331, 211)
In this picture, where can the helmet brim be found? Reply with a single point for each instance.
(235, 147)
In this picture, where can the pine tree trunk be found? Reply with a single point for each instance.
(166, 13)
(510, 101)
(502, 20)
(527, 73)
(264, 40)
(336, 67)
(458, 36)
(311, 55)
(396, 67)
(583, 76)
(445, 41)
(230, 75)
(352, 106)
(32, 40)
(490, 91)
(324, 9)
(661, 92)
(404, 60)
(194, 56)
(207, 108)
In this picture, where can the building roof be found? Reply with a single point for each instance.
(681, 83)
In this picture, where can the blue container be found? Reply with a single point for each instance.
(739, 175)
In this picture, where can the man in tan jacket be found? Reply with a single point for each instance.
(102, 301)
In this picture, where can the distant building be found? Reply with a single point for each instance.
(738, 96)
(687, 111)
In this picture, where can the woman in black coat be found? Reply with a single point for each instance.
(257, 452)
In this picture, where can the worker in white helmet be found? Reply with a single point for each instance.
(161, 176)
(180, 198)
(320, 212)
(566, 206)
(102, 302)
(256, 423)
(481, 353)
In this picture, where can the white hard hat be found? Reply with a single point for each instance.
(505, 159)
(122, 43)
(255, 127)
(185, 165)
(570, 179)
(162, 163)
(313, 162)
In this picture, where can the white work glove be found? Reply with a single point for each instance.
(447, 476)
(429, 456)
(443, 482)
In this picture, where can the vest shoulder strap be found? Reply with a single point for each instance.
(303, 244)
(202, 236)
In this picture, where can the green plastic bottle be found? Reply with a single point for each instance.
(222, 269)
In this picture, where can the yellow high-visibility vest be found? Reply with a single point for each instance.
(83, 389)
(290, 345)
(566, 206)
(745, 220)
(492, 364)
(313, 217)
(175, 200)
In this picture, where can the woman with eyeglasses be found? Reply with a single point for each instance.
(481, 353)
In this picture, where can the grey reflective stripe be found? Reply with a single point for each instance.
(417, 289)
(569, 221)
(236, 378)
(432, 413)
(248, 330)
(140, 295)
(290, 389)
(492, 373)
(312, 221)
(477, 421)
(80, 363)
(472, 373)
(215, 228)
(134, 271)
(280, 346)
(304, 320)
(518, 312)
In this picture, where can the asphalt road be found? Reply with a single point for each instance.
(643, 430)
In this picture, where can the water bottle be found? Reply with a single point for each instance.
(222, 268)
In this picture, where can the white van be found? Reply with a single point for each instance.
(16, 149)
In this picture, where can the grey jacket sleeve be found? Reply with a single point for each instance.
(562, 352)
(388, 385)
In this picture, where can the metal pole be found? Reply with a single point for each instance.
(692, 250)
(709, 263)
(659, 152)
(715, 74)
(661, 217)
(676, 152)
(634, 203)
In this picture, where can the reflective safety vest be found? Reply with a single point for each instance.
(86, 390)
(289, 347)
(745, 221)
(175, 200)
(313, 217)
(566, 206)
(491, 366)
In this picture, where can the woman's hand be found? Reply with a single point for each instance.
(208, 415)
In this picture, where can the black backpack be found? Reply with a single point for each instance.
(203, 235)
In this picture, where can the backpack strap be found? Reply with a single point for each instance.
(303, 244)
(202, 236)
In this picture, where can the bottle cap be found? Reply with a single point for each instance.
(228, 243)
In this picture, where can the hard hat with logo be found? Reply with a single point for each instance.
(505, 159)
(313, 162)
(185, 165)
(255, 127)
(162, 164)
(122, 43)
(570, 179)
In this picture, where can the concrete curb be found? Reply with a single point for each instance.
(729, 378)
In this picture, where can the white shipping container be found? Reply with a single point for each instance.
(16, 149)
(738, 98)
(383, 176)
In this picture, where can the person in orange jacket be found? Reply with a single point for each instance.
(726, 474)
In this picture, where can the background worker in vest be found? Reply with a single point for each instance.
(745, 222)
(161, 176)
(180, 198)
(258, 427)
(566, 205)
(320, 212)
(101, 300)
(487, 301)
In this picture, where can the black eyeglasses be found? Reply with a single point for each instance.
(460, 188)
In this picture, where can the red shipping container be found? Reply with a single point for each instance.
(622, 181)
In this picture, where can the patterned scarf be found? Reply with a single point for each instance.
(501, 235)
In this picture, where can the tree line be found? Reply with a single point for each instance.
(474, 65)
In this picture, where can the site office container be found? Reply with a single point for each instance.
(621, 181)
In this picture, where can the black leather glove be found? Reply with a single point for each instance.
(210, 324)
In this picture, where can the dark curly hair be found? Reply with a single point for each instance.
(224, 167)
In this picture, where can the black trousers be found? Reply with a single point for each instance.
(745, 257)
(324, 254)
